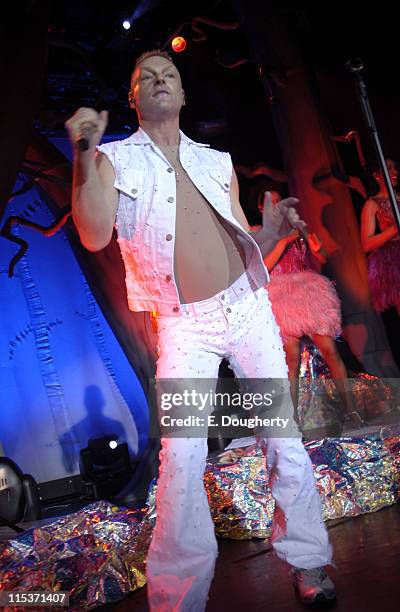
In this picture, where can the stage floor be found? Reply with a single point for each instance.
(248, 575)
(250, 578)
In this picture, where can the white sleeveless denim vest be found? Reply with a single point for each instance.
(145, 220)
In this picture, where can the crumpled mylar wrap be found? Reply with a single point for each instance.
(98, 554)
(353, 476)
(319, 403)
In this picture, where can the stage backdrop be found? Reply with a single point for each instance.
(63, 376)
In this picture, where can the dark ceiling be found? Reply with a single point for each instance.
(90, 57)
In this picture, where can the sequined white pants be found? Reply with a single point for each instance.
(182, 554)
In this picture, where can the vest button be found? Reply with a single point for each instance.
(175, 309)
(170, 199)
(170, 169)
(133, 191)
(229, 309)
(168, 278)
(226, 185)
(168, 237)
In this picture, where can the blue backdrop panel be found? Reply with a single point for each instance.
(63, 377)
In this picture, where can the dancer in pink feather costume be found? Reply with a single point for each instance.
(305, 303)
(383, 247)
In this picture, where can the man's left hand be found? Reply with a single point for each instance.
(278, 221)
(280, 218)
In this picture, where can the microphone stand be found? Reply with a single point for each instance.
(355, 67)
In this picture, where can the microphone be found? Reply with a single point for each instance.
(85, 135)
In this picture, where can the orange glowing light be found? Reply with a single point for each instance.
(178, 44)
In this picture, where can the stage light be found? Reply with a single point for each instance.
(105, 466)
(178, 44)
(126, 24)
(19, 495)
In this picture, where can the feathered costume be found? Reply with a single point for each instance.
(304, 302)
(384, 263)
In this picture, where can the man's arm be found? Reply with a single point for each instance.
(237, 210)
(275, 218)
(94, 197)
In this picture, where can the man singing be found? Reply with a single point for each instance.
(190, 257)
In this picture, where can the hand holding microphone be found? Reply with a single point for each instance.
(86, 128)
(85, 135)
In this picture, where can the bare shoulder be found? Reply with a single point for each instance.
(370, 207)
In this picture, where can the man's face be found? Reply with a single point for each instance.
(156, 89)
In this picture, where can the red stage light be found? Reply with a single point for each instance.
(178, 44)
